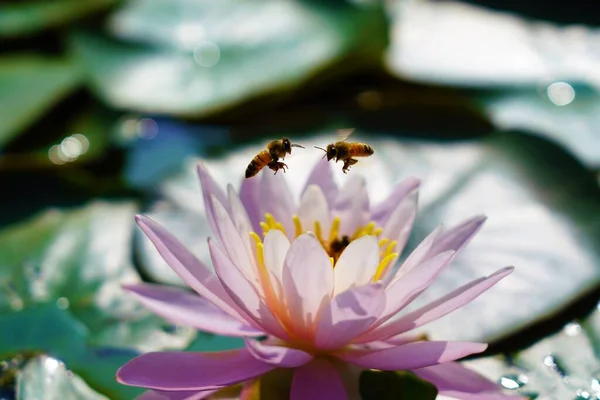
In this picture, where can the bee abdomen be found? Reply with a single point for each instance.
(361, 150)
(258, 162)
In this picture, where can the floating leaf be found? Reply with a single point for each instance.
(454, 43)
(29, 86)
(47, 378)
(543, 213)
(60, 282)
(24, 18)
(199, 57)
(567, 115)
(382, 385)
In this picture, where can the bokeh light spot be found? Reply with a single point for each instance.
(561, 93)
(147, 128)
(207, 54)
(63, 303)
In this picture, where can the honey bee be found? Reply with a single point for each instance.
(270, 157)
(345, 151)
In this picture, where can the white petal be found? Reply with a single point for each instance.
(275, 198)
(357, 264)
(307, 281)
(400, 221)
(276, 246)
(234, 245)
(313, 208)
(352, 205)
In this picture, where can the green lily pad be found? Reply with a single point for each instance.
(29, 86)
(22, 18)
(192, 58)
(460, 44)
(573, 123)
(543, 213)
(46, 377)
(395, 385)
(60, 278)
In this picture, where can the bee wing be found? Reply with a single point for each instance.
(343, 134)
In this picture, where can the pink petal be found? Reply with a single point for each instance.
(440, 307)
(178, 395)
(348, 315)
(317, 380)
(352, 205)
(457, 237)
(210, 188)
(405, 290)
(314, 208)
(357, 264)
(234, 245)
(307, 280)
(276, 246)
(454, 376)
(243, 293)
(249, 195)
(282, 357)
(381, 212)
(417, 256)
(322, 176)
(275, 198)
(182, 307)
(193, 272)
(240, 219)
(412, 355)
(174, 371)
(400, 221)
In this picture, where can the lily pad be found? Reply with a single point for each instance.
(543, 213)
(571, 119)
(193, 58)
(395, 385)
(454, 43)
(77, 261)
(47, 378)
(22, 18)
(29, 86)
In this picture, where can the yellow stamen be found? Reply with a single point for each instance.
(357, 232)
(332, 261)
(279, 226)
(377, 231)
(335, 229)
(383, 266)
(255, 237)
(383, 242)
(318, 231)
(266, 228)
(369, 229)
(297, 225)
(270, 220)
(390, 247)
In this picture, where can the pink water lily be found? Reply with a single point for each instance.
(317, 281)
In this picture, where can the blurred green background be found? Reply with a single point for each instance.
(106, 105)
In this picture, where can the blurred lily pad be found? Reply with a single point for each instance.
(29, 86)
(22, 18)
(390, 385)
(194, 58)
(60, 278)
(559, 112)
(454, 43)
(543, 213)
(47, 378)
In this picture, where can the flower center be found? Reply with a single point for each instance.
(336, 243)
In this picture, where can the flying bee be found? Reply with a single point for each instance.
(270, 157)
(345, 151)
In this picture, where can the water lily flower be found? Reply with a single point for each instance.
(311, 289)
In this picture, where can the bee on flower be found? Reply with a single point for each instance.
(312, 290)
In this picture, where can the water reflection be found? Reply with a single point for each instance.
(69, 150)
